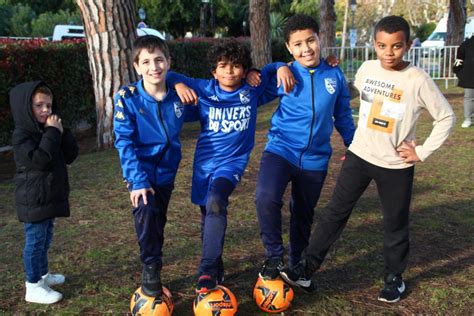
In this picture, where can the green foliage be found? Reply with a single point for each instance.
(44, 25)
(424, 30)
(282, 6)
(175, 17)
(181, 16)
(47, 5)
(277, 22)
(5, 16)
(309, 7)
(20, 21)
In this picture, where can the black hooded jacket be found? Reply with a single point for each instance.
(465, 71)
(41, 155)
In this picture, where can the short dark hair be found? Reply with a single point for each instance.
(150, 43)
(44, 89)
(299, 22)
(392, 24)
(232, 51)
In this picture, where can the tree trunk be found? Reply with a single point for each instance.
(260, 37)
(456, 22)
(110, 32)
(328, 24)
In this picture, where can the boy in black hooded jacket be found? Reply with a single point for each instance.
(42, 148)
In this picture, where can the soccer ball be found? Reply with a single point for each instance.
(143, 305)
(272, 296)
(220, 302)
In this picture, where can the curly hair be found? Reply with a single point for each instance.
(299, 22)
(392, 24)
(150, 43)
(232, 51)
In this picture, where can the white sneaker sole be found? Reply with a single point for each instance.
(304, 285)
(400, 289)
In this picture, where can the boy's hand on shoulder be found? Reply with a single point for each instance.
(136, 194)
(285, 77)
(186, 94)
(253, 78)
(54, 121)
(407, 151)
(332, 60)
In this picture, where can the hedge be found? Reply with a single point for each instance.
(65, 67)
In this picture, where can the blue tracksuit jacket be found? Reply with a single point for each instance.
(228, 122)
(147, 135)
(302, 125)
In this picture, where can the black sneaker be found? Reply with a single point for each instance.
(271, 268)
(206, 283)
(393, 289)
(298, 277)
(151, 280)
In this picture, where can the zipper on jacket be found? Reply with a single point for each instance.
(311, 72)
(165, 149)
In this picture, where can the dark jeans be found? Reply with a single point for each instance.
(38, 238)
(213, 227)
(394, 188)
(150, 223)
(274, 175)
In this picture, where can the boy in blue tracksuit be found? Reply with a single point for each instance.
(147, 121)
(227, 111)
(298, 148)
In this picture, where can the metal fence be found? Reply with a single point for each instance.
(436, 61)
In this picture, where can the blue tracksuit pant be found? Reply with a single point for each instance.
(274, 175)
(213, 227)
(150, 223)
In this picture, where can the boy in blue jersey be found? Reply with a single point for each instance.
(298, 148)
(228, 111)
(147, 122)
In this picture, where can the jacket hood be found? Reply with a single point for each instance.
(20, 103)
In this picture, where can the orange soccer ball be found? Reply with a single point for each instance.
(220, 302)
(272, 296)
(143, 305)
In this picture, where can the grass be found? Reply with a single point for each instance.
(97, 250)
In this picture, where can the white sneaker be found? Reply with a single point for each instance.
(53, 279)
(41, 293)
(466, 124)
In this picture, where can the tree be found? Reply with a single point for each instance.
(5, 16)
(309, 7)
(110, 32)
(456, 22)
(20, 21)
(328, 23)
(260, 37)
(45, 23)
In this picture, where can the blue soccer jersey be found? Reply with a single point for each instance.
(228, 121)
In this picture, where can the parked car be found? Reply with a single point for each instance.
(63, 32)
(438, 37)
